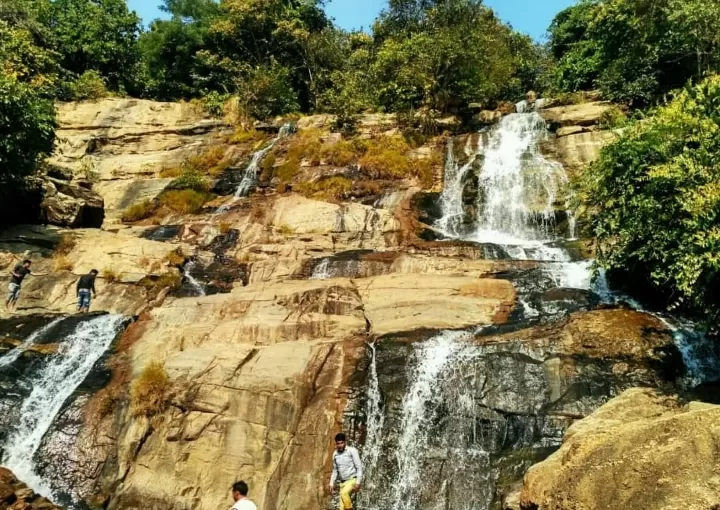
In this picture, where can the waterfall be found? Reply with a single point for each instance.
(194, 283)
(52, 385)
(433, 357)
(250, 174)
(13, 355)
(322, 270)
(375, 420)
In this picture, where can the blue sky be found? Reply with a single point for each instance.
(528, 16)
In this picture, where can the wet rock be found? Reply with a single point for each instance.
(663, 453)
(500, 403)
(162, 233)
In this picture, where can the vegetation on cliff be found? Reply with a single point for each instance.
(654, 200)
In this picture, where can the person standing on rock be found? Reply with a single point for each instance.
(347, 470)
(17, 276)
(240, 496)
(86, 285)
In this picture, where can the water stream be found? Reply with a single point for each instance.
(51, 384)
(466, 419)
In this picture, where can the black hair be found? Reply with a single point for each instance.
(241, 487)
(340, 437)
(94, 271)
(27, 261)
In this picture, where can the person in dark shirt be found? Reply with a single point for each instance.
(17, 276)
(85, 285)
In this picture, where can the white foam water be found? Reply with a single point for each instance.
(433, 357)
(251, 171)
(322, 271)
(13, 355)
(194, 283)
(52, 385)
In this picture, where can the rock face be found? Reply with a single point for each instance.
(641, 450)
(15, 495)
(586, 114)
(281, 320)
(73, 205)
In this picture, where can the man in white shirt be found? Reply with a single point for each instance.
(347, 469)
(239, 492)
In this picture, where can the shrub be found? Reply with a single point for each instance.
(175, 258)
(286, 230)
(186, 201)
(150, 392)
(190, 179)
(653, 200)
(66, 245)
(139, 211)
(62, 263)
(90, 85)
(245, 136)
(326, 189)
(388, 158)
(171, 172)
(111, 275)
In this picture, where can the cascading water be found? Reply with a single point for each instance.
(322, 271)
(192, 281)
(52, 384)
(13, 355)
(250, 174)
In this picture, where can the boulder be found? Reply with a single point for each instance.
(15, 495)
(641, 450)
(586, 114)
(71, 204)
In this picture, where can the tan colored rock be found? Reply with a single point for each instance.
(641, 450)
(124, 139)
(585, 114)
(570, 130)
(396, 303)
(15, 495)
(576, 151)
(299, 215)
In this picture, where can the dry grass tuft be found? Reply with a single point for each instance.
(111, 275)
(150, 393)
(62, 263)
(139, 212)
(175, 258)
(186, 201)
(66, 245)
(331, 188)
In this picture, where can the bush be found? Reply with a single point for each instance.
(653, 200)
(190, 179)
(388, 158)
(139, 211)
(111, 275)
(62, 263)
(186, 201)
(331, 188)
(175, 258)
(66, 245)
(150, 393)
(90, 85)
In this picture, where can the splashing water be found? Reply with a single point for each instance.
(13, 355)
(375, 423)
(52, 385)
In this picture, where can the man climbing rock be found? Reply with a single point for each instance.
(17, 276)
(347, 470)
(86, 285)
(240, 496)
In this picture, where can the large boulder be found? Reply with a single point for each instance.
(641, 450)
(72, 204)
(585, 114)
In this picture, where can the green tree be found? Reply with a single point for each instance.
(635, 50)
(653, 200)
(442, 55)
(98, 35)
(27, 114)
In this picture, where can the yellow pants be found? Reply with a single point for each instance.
(346, 490)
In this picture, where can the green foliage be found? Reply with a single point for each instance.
(27, 114)
(635, 50)
(186, 201)
(96, 35)
(90, 85)
(653, 199)
(189, 179)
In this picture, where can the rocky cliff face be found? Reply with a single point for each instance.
(263, 311)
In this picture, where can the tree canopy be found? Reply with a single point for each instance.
(653, 199)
